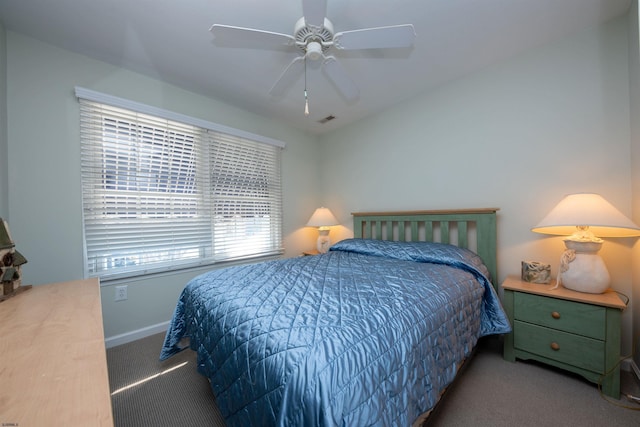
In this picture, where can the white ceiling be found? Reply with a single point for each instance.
(169, 40)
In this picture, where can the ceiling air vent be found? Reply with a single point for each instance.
(327, 119)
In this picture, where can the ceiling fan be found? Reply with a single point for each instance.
(314, 36)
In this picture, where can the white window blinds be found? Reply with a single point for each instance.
(159, 194)
(245, 188)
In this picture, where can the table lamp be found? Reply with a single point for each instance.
(585, 217)
(323, 219)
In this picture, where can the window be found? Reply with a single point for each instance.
(161, 194)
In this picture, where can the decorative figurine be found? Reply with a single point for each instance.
(536, 272)
(11, 262)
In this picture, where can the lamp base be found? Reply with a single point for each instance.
(324, 242)
(582, 269)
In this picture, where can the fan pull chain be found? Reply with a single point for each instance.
(306, 104)
(306, 100)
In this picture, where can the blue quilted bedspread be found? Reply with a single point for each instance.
(368, 334)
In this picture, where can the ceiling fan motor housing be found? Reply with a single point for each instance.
(312, 40)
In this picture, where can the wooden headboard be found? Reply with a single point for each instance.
(473, 229)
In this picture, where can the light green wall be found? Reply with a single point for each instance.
(44, 171)
(518, 136)
(634, 91)
(4, 194)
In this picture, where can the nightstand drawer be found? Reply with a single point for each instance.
(582, 352)
(577, 318)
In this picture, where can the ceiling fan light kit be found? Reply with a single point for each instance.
(314, 36)
(314, 51)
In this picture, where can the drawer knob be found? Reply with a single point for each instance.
(555, 346)
(555, 315)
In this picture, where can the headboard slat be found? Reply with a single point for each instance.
(444, 232)
(463, 240)
(414, 230)
(428, 231)
(402, 236)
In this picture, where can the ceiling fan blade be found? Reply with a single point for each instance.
(314, 12)
(290, 74)
(338, 75)
(250, 36)
(376, 38)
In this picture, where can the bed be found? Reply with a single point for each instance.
(370, 333)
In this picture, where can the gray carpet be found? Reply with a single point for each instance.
(490, 392)
(178, 397)
(495, 393)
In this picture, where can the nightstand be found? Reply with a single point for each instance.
(575, 331)
(309, 253)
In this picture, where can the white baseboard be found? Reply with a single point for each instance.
(136, 335)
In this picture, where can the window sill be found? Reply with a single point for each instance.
(128, 277)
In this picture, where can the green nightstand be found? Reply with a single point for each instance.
(575, 331)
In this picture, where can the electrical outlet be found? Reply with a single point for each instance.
(121, 293)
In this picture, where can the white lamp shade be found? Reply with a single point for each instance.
(587, 209)
(322, 217)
